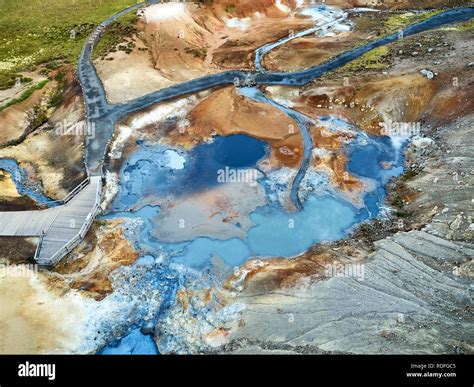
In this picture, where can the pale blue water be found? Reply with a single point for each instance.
(135, 343)
(23, 183)
(282, 234)
(276, 233)
(197, 254)
(366, 161)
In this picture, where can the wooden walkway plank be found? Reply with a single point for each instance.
(26, 223)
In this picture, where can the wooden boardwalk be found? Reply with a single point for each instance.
(26, 223)
(60, 229)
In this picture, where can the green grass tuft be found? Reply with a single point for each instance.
(25, 95)
(372, 60)
(197, 52)
(230, 9)
(114, 35)
(398, 22)
(462, 27)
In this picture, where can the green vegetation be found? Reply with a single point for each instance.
(25, 95)
(49, 32)
(372, 60)
(391, 24)
(58, 96)
(398, 202)
(410, 174)
(197, 52)
(398, 22)
(8, 80)
(462, 27)
(39, 117)
(379, 58)
(403, 214)
(114, 35)
(230, 9)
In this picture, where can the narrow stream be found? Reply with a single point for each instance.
(325, 17)
(24, 185)
(303, 123)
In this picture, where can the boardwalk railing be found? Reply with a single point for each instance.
(73, 193)
(38, 246)
(76, 190)
(70, 245)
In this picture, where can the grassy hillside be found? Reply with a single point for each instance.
(47, 32)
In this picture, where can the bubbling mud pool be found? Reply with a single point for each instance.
(150, 181)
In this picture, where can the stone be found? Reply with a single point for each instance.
(427, 73)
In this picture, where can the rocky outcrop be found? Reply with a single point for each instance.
(403, 304)
(446, 181)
